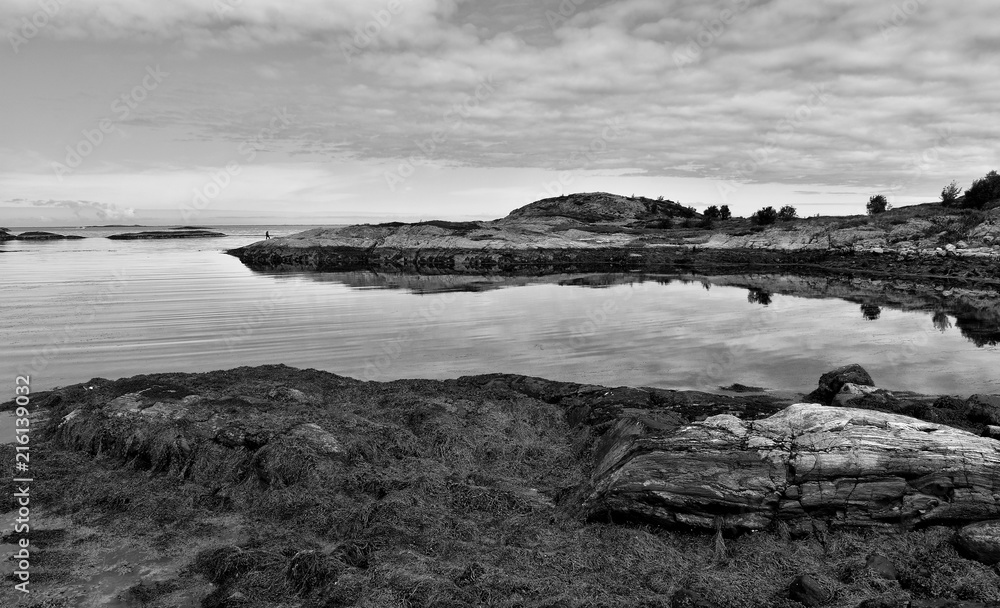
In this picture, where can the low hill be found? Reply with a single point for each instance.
(593, 207)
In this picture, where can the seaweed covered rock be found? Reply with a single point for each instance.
(843, 466)
(981, 541)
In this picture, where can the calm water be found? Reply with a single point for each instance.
(75, 310)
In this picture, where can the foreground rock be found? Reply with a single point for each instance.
(809, 462)
(273, 486)
(166, 234)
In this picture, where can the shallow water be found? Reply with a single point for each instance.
(75, 310)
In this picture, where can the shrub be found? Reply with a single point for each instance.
(712, 213)
(982, 191)
(787, 213)
(724, 213)
(688, 211)
(765, 216)
(878, 204)
(706, 222)
(949, 195)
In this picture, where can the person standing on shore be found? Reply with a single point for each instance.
(267, 235)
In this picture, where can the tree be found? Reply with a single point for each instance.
(765, 216)
(949, 195)
(712, 213)
(982, 191)
(787, 213)
(724, 213)
(878, 204)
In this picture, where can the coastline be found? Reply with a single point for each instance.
(275, 482)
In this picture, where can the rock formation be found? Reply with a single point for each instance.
(808, 462)
(598, 231)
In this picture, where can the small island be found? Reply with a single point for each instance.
(46, 236)
(173, 233)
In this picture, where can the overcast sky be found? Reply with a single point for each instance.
(312, 111)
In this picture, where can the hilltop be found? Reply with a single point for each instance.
(601, 207)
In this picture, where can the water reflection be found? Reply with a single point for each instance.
(871, 312)
(759, 296)
(974, 312)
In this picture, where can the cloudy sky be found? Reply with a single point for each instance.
(262, 111)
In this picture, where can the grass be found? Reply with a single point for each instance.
(445, 494)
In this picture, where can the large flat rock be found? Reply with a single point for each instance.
(808, 462)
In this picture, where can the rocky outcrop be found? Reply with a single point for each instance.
(808, 462)
(599, 232)
(45, 236)
(166, 234)
(603, 207)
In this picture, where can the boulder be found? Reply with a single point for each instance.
(980, 541)
(807, 463)
(832, 382)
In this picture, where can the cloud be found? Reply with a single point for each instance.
(228, 23)
(721, 90)
(81, 209)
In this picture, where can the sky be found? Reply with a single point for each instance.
(314, 111)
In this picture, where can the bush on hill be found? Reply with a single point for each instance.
(787, 213)
(765, 216)
(949, 194)
(878, 204)
(982, 191)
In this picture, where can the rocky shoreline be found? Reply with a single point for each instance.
(600, 232)
(273, 485)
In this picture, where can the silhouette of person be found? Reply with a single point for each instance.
(267, 235)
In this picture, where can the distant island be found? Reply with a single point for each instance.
(41, 236)
(173, 233)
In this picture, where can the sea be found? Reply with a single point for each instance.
(75, 310)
